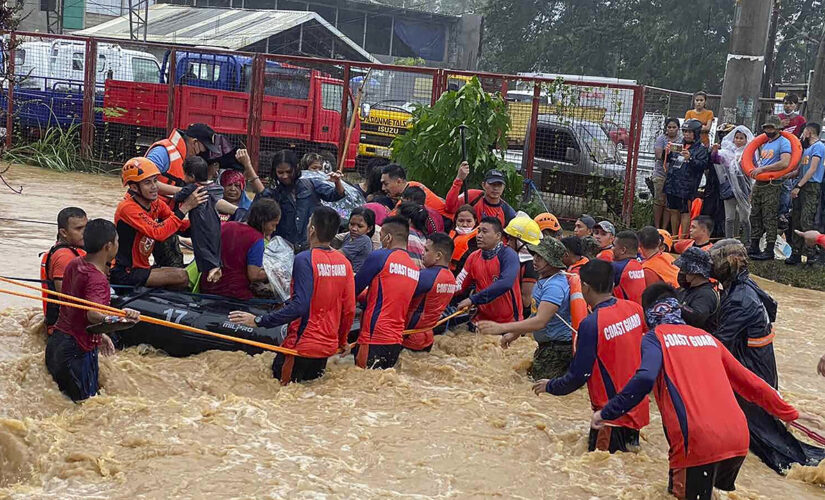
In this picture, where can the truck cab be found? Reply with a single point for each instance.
(576, 158)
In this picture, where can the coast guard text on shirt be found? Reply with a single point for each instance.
(396, 268)
(622, 327)
(675, 340)
(331, 269)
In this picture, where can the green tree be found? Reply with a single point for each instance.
(431, 149)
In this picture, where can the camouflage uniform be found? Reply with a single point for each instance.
(764, 219)
(803, 214)
(551, 360)
(590, 247)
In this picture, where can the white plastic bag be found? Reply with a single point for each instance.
(278, 259)
(352, 197)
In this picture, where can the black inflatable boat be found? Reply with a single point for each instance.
(207, 312)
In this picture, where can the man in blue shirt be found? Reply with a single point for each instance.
(550, 314)
(805, 193)
(774, 155)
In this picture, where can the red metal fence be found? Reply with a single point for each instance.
(577, 144)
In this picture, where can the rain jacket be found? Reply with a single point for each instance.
(297, 205)
(682, 177)
(746, 315)
(732, 179)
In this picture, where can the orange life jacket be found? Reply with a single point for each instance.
(51, 311)
(663, 267)
(461, 242)
(578, 306)
(176, 147)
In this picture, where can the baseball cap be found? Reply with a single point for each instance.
(588, 221)
(203, 133)
(694, 260)
(495, 176)
(772, 121)
(607, 227)
(551, 250)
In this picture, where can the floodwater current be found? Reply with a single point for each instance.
(460, 422)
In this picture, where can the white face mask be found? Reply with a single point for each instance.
(463, 230)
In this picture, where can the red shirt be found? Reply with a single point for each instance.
(322, 305)
(60, 259)
(498, 293)
(237, 240)
(84, 281)
(606, 254)
(620, 328)
(629, 279)
(796, 123)
(392, 278)
(436, 287)
(139, 228)
(501, 210)
(702, 419)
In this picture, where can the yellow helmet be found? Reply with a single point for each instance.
(525, 229)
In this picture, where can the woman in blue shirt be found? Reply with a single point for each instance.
(298, 197)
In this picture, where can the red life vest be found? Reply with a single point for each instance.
(621, 327)
(51, 311)
(662, 265)
(606, 254)
(702, 420)
(631, 283)
(176, 147)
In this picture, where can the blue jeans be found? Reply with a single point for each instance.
(785, 196)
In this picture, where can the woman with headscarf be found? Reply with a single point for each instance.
(734, 186)
(746, 315)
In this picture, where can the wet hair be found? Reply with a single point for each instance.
(395, 171)
(573, 244)
(817, 128)
(493, 221)
(310, 158)
(397, 226)
(262, 211)
(197, 168)
(384, 200)
(729, 258)
(791, 98)
(700, 93)
(414, 194)
(368, 216)
(671, 120)
(467, 208)
(599, 275)
(706, 222)
(69, 213)
(97, 234)
(290, 158)
(416, 214)
(629, 240)
(326, 222)
(442, 243)
(649, 237)
(372, 173)
(655, 293)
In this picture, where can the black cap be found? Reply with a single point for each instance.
(205, 135)
(495, 176)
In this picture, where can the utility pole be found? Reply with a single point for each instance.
(816, 98)
(746, 62)
(770, 52)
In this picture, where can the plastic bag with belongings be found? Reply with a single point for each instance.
(278, 259)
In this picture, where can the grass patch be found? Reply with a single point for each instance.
(800, 276)
(58, 149)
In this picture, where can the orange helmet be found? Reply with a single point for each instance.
(667, 239)
(547, 220)
(138, 169)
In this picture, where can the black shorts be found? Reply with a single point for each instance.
(698, 482)
(74, 370)
(680, 204)
(613, 439)
(287, 368)
(376, 357)
(134, 277)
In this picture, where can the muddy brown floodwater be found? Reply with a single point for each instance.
(459, 422)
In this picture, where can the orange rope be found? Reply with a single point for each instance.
(112, 310)
(118, 312)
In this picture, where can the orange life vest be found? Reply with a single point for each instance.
(578, 306)
(176, 147)
(461, 242)
(50, 311)
(664, 268)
